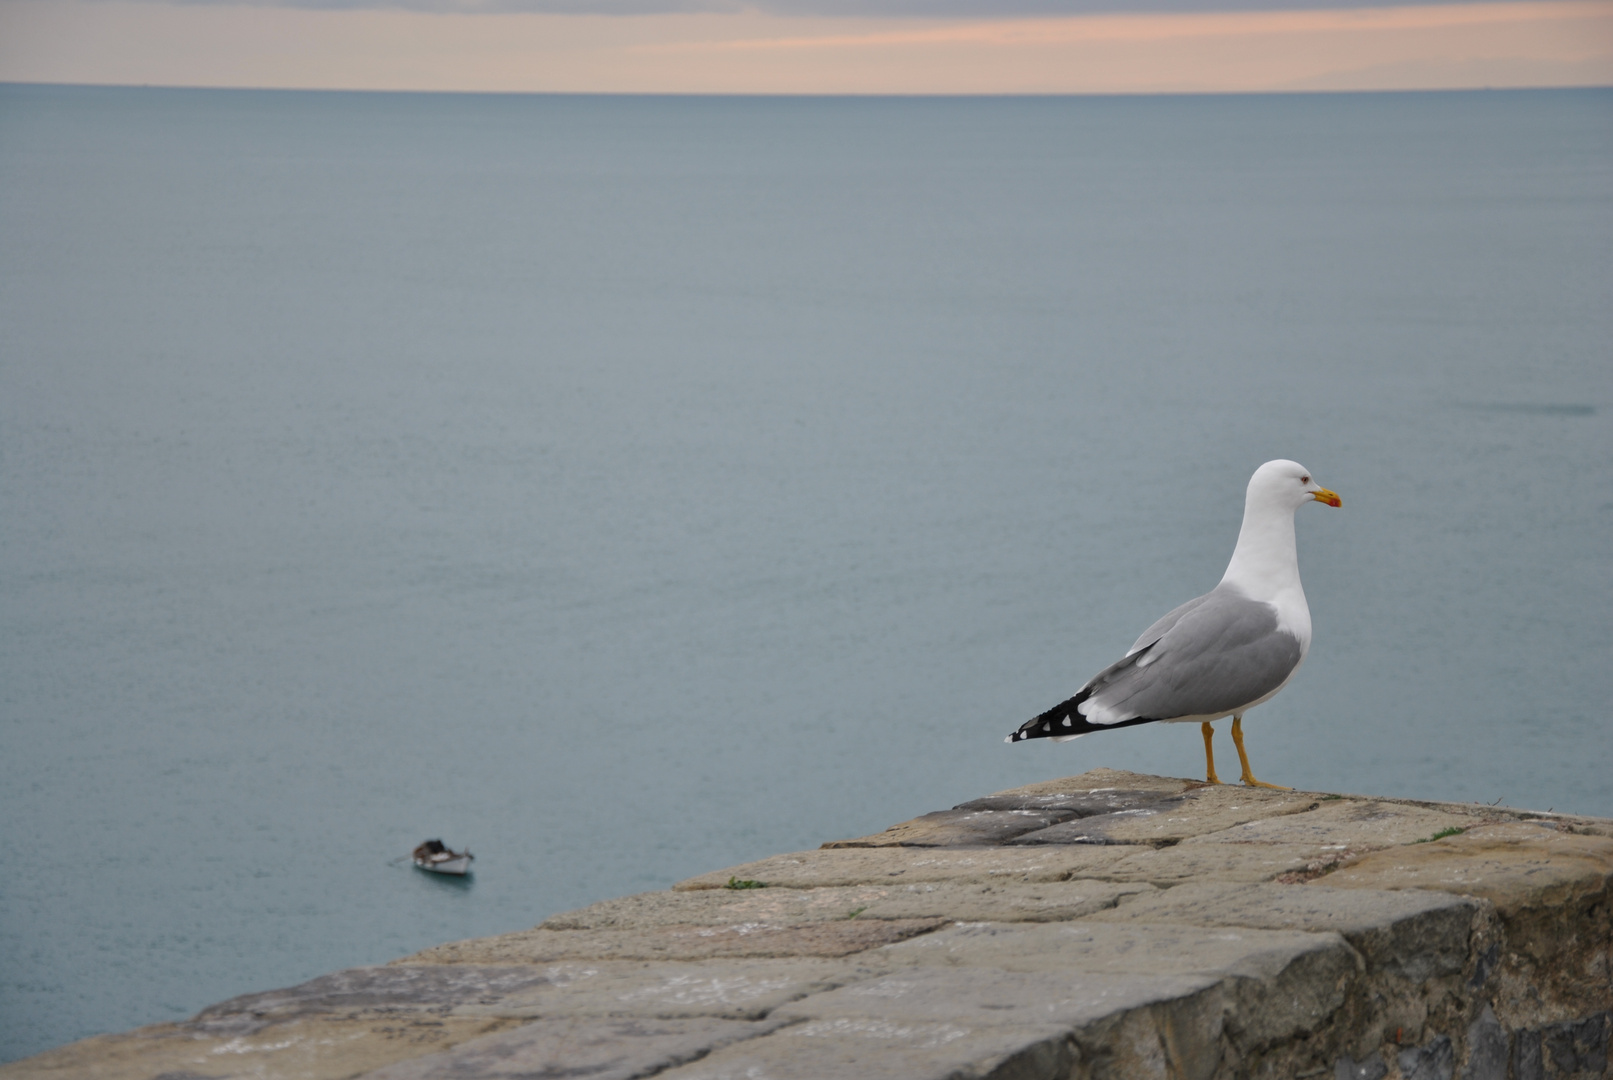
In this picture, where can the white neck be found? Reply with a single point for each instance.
(1265, 564)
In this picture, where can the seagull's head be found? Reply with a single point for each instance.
(1287, 484)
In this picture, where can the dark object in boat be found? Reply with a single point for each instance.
(433, 855)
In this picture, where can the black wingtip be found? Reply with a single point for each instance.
(1072, 724)
(1065, 719)
(1039, 728)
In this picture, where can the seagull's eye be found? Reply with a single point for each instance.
(1304, 479)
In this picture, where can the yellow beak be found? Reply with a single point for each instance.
(1326, 496)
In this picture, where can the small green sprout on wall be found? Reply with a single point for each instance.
(735, 883)
(1442, 834)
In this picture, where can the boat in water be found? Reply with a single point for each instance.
(436, 857)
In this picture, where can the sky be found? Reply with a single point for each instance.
(809, 46)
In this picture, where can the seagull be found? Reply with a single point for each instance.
(1220, 654)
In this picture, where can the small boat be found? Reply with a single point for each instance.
(433, 855)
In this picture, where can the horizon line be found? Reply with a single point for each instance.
(885, 95)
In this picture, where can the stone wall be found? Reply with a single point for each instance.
(1104, 925)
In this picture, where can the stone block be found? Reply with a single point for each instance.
(1412, 934)
(1117, 948)
(1567, 1050)
(1515, 866)
(959, 828)
(1552, 891)
(902, 866)
(1286, 981)
(1488, 1048)
(615, 1048)
(1527, 1061)
(308, 1047)
(986, 996)
(1203, 810)
(1353, 825)
(337, 1025)
(1370, 1067)
(1204, 862)
(1100, 780)
(996, 902)
(666, 989)
(873, 1048)
(1115, 828)
(1050, 901)
(1572, 823)
(393, 988)
(721, 907)
(1078, 804)
(678, 942)
(1436, 1061)
(1118, 1019)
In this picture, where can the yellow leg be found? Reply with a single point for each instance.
(1209, 756)
(1237, 740)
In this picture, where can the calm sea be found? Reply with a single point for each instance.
(629, 487)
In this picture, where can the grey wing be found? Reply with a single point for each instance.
(1218, 654)
(1168, 620)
